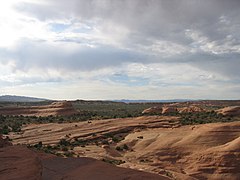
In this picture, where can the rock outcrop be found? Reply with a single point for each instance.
(169, 109)
(172, 109)
(152, 110)
(19, 162)
(190, 109)
(229, 111)
(60, 108)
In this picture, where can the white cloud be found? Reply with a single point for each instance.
(200, 42)
(120, 49)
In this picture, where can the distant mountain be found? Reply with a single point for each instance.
(154, 101)
(10, 98)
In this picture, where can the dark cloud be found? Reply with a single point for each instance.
(156, 19)
(213, 45)
(152, 17)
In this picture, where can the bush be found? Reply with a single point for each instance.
(125, 147)
(118, 148)
(16, 128)
(105, 142)
(121, 148)
(39, 145)
(115, 139)
(68, 154)
(64, 142)
(113, 161)
(64, 149)
(5, 130)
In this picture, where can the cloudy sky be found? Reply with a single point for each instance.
(120, 49)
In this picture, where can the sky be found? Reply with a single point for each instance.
(128, 49)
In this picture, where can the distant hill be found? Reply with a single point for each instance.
(153, 101)
(10, 98)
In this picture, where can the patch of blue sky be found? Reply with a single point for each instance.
(82, 29)
(130, 81)
(57, 27)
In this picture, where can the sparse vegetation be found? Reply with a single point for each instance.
(64, 142)
(108, 109)
(113, 161)
(94, 110)
(63, 146)
(89, 111)
(204, 117)
(145, 160)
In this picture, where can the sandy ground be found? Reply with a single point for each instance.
(156, 144)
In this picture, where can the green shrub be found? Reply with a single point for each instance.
(118, 148)
(113, 161)
(125, 147)
(115, 139)
(64, 148)
(69, 154)
(5, 131)
(105, 142)
(64, 142)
